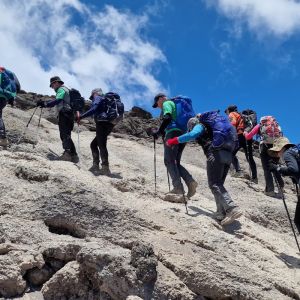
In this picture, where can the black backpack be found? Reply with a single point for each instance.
(115, 107)
(250, 119)
(76, 100)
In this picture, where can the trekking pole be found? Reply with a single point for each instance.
(154, 146)
(286, 208)
(168, 180)
(23, 133)
(78, 134)
(37, 130)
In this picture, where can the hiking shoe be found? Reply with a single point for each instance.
(175, 198)
(104, 170)
(219, 216)
(273, 194)
(254, 180)
(192, 186)
(66, 156)
(176, 191)
(95, 169)
(232, 215)
(75, 158)
(3, 142)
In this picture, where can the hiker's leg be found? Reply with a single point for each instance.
(235, 160)
(66, 125)
(2, 126)
(249, 150)
(185, 175)
(264, 156)
(170, 155)
(95, 150)
(104, 129)
(216, 175)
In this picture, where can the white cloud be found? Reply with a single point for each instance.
(106, 49)
(279, 18)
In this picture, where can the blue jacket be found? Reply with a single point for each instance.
(98, 109)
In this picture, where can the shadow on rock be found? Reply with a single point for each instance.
(290, 261)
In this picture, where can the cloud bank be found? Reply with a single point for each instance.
(85, 46)
(278, 18)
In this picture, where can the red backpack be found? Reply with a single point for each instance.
(269, 129)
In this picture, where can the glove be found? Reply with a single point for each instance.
(155, 133)
(273, 167)
(41, 104)
(172, 142)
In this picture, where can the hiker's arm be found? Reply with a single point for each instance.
(233, 119)
(60, 95)
(197, 131)
(252, 133)
(291, 167)
(93, 108)
(167, 119)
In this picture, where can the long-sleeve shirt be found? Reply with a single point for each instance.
(98, 100)
(60, 95)
(252, 133)
(195, 133)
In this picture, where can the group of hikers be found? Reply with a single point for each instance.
(221, 137)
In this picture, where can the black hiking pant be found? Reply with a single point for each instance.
(103, 129)
(172, 157)
(2, 126)
(265, 158)
(247, 146)
(66, 125)
(297, 215)
(218, 164)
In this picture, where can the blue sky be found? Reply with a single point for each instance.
(218, 52)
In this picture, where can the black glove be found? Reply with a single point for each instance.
(41, 104)
(273, 167)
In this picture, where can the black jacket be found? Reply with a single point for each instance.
(291, 159)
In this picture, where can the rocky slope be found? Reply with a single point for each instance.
(66, 234)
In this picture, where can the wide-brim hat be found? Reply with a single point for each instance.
(156, 98)
(55, 79)
(279, 143)
(97, 91)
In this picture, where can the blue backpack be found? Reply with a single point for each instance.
(223, 133)
(184, 111)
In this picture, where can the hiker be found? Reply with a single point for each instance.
(268, 129)
(290, 154)
(9, 86)
(218, 140)
(237, 121)
(65, 117)
(107, 110)
(172, 126)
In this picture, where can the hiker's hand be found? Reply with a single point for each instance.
(273, 167)
(41, 104)
(172, 142)
(77, 117)
(155, 133)
(11, 102)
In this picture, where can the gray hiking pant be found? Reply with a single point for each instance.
(2, 126)
(172, 157)
(217, 169)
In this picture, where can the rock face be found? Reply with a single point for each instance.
(67, 234)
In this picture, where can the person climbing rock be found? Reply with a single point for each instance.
(107, 110)
(237, 121)
(173, 125)
(290, 154)
(218, 140)
(9, 86)
(65, 117)
(268, 129)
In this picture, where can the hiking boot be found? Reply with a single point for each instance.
(176, 191)
(175, 198)
(192, 186)
(273, 194)
(254, 180)
(66, 156)
(3, 142)
(232, 215)
(95, 169)
(75, 158)
(105, 170)
(219, 216)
